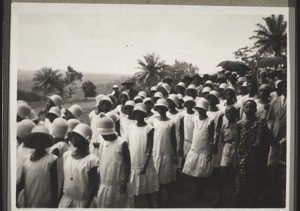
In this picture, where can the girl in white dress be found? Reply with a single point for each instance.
(59, 131)
(114, 190)
(123, 98)
(94, 116)
(149, 106)
(263, 102)
(143, 179)
(80, 170)
(128, 120)
(198, 162)
(39, 174)
(188, 117)
(176, 116)
(164, 147)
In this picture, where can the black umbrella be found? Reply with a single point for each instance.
(234, 66)
(271, 62)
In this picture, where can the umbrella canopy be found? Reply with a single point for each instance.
(234, 66)
(271, 62)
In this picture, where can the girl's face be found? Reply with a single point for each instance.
(230, 114)
(171, 104)
(229, 95)
(221, 92)
(189, 105)
(263, 94)
(250, 108)
(161, 110)
(69, 115)
(77, 141)
(250, 87)
(37, 143)
(49, 104)
(201, 111)
(149, 105)
(105, 106)
(180, 102)
(138, 115)
(212, 100)
(128, 110)
(123, 99)
(180, 90)
(205, 95)
(191, 93)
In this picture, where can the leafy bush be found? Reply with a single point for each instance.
(89, 89)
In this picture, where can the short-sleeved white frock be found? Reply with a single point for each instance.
(188, 132)
(62, 148)
(112, 175)
(76, 181)
(197, 163)
(37, 191)
(148, 182)
(124, 127)
(163, 152)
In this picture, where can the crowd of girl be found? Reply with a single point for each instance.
(141, 143)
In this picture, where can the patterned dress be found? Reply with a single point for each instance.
(250, 138)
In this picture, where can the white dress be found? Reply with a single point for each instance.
(147, 183)
(188, 132)
(76, 179)
(48, 125)
(94, 118)
(124, 127)
(163, 152)
(112, 175)
(37, 191)
(214, 115)
(197, 163)
(62, 148)
(22, 154)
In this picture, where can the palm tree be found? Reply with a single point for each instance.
(272, 38)
(152, 70)
(47, 80)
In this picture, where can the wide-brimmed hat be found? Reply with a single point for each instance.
(127, 82)
(24, 128)
(161, 103)
(174, 98)
(206, 89)
(98, 98)
(141, 107)
(23, 110)
(59, 128)
(208, 83)
(189, 99)
(56, 99)
(54, 110)
(215, 94)
(158, 95)
(223, 86)
(201, 102)
(166, 87)
(72, 123)
(138, 98)
(32, 116)
(148, 99)
(192, 87)
(124, 93)
(142, 94)
(129, 103)
(46, 139)
(180, 96)
(75, 110)
(182, 84)
(83, 130)
(106, 126)
(153, 89)
(107, 99)
(111, 114)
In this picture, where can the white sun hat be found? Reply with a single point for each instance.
(24, 128)
(206, 89)
(115, 86)
(76, 110)
(180, 96)
(72, 123)
(162, 103)
(106, 98)
(54, 110)
(23, 110)
(147, 99)
(142, 94)
(223, 86)
(174, 98)
(192, 87)
(98, 98)
(158, 95)
(56, 99)
(39, 130)
(111, 114)
(21, 101)
(182, 84)
(140, 107)
(106, 126)
(189, 99)
(153, 88)
(166, 87)
(83, 130)
(32, 116)
(201, 102)
(59, 128)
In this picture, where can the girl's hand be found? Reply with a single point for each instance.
(142, 172)
(122, 189)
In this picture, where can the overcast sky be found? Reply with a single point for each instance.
(110, 39)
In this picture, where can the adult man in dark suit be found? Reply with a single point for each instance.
(277, 122)
(128, 87)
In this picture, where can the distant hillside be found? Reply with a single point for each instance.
(103, 81)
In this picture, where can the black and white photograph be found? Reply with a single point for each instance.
(151, 106)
